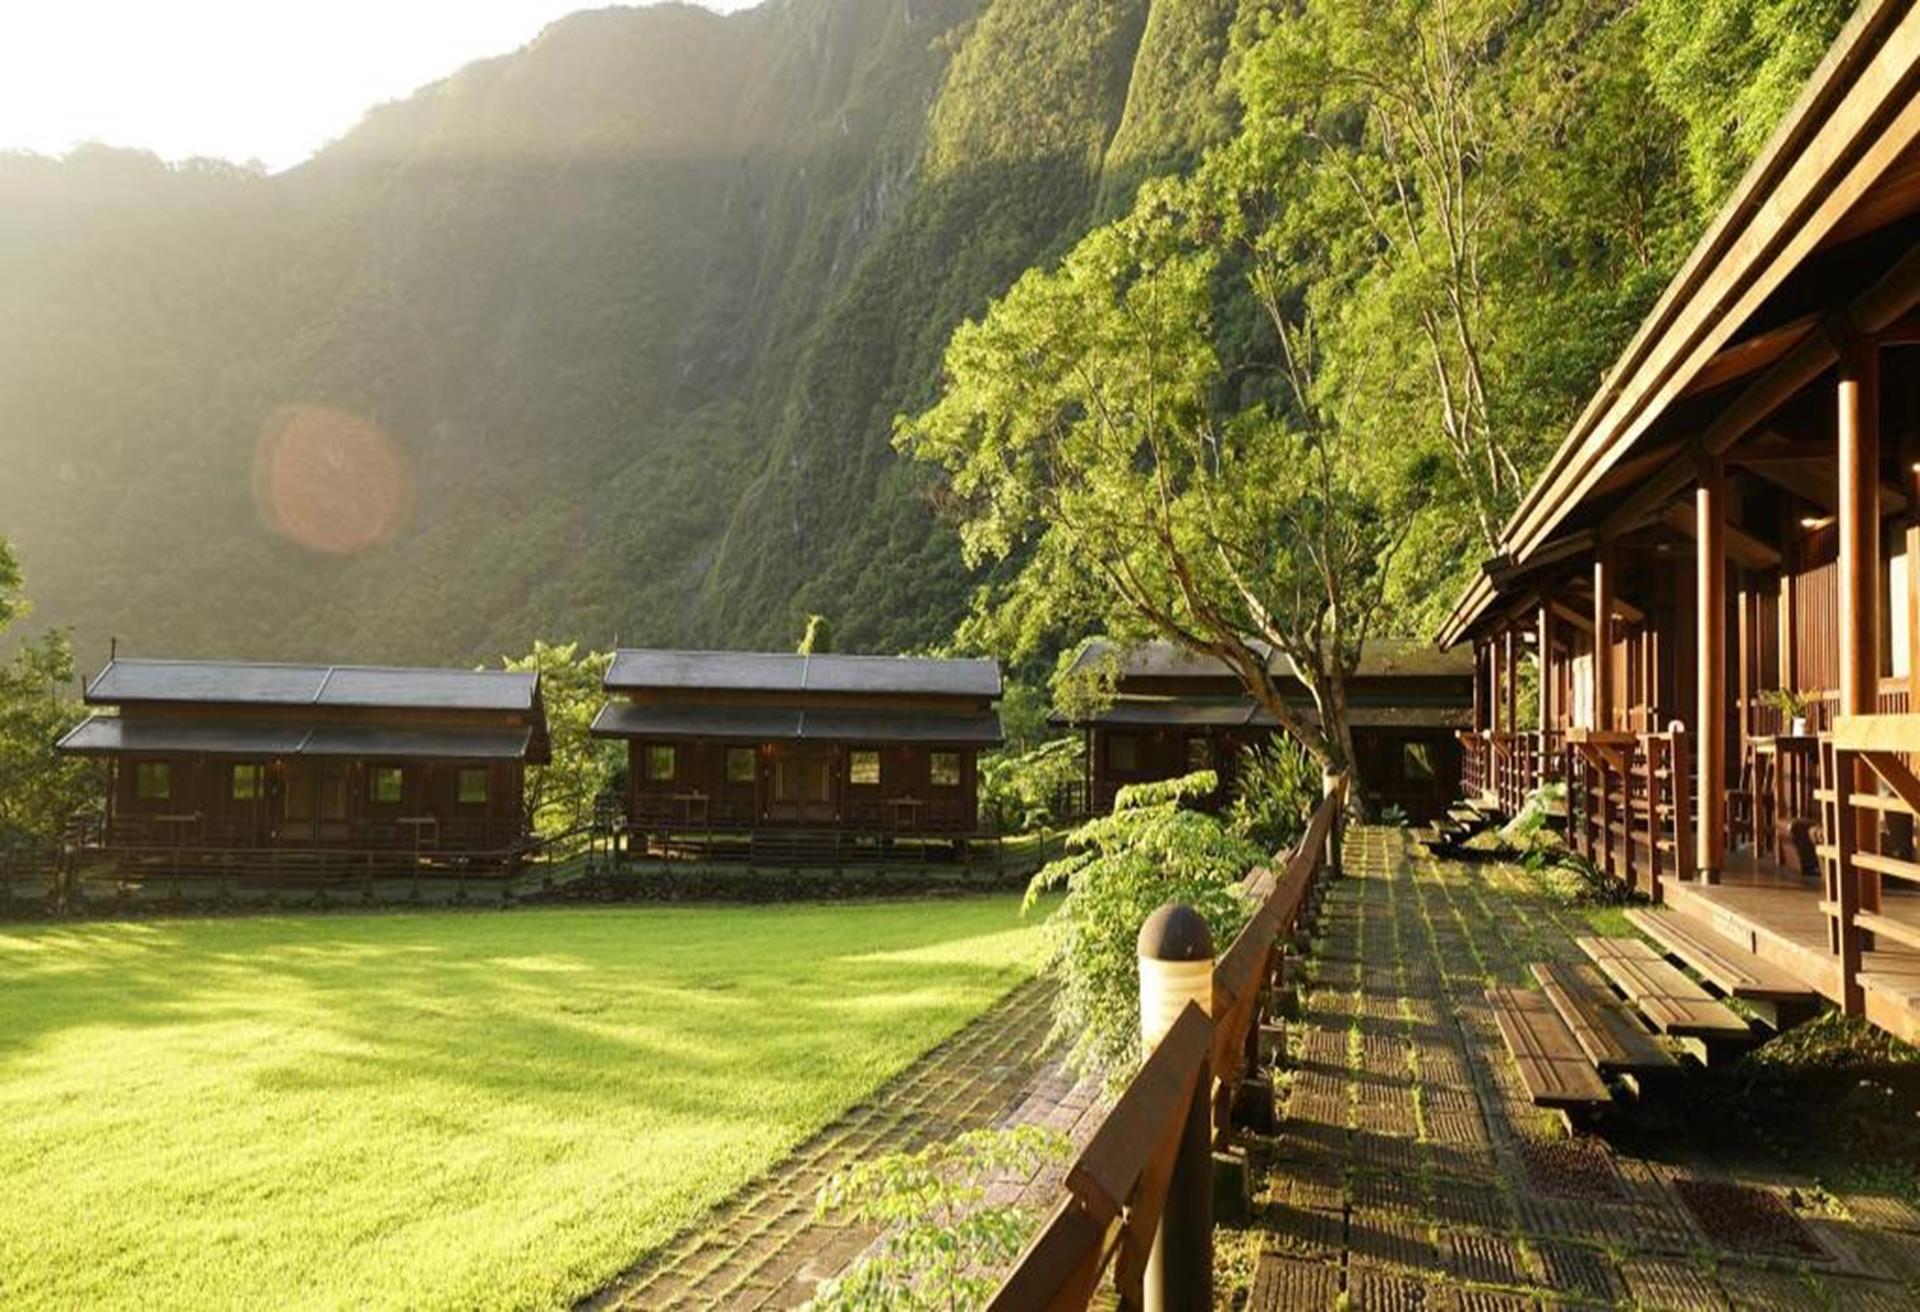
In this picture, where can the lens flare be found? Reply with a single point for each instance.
(333, 481)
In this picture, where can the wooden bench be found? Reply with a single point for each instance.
(1552, 1065)
(1612, 1037)
(1674, 1003)
(1724, 964)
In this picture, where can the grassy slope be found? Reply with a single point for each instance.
(438, 1110)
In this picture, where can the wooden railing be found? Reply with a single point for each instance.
(1870, 798)
(1476, 775)
(1629, 805)
(1115, 1192)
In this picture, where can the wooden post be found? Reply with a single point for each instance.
(1176, 967)
(1859, 433)
(1510, 651)
(1603, 640)
(1710, 682)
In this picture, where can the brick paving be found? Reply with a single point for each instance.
(764, 1248)
(1410, 1170)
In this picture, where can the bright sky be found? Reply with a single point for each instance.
(238, 79)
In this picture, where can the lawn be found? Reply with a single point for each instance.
(438, 1110)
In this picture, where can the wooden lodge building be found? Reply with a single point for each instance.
(359, 768)
(1736, 516)
(1173, 713)
(775, 755)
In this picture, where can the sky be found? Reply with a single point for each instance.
(264, 80)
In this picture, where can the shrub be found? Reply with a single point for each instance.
(1023, 791)
(1276, 794)
(1118, 870)
(944, 1243)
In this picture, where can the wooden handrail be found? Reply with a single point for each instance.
(1115, 1190)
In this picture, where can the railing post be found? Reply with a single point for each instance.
(1176, 967)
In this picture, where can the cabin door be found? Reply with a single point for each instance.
(314, 803)
(802, 788)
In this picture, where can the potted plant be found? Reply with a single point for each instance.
(1792, 705)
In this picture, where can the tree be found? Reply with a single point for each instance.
(1090, 428)
(561, 795)
(40, 790)
(818, 639)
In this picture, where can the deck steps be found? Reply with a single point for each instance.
(1726, 965)
(1612, 1037)
(1902, 932)
(1672, 1002)
(1553, 1066)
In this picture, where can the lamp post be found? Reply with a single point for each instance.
(1176, 967)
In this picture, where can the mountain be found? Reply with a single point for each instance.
(602, 338)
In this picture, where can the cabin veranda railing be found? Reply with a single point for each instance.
(1629, 805)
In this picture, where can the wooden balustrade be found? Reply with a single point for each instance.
(1870, 799)
(1115, 1192)
(1629, 805)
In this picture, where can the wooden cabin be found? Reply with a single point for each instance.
(1736, 516)
(1173, 713)
(223, 757)
(861, 749)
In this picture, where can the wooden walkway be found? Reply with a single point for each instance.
(1412, 1170)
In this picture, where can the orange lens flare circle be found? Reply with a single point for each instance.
(330, 480)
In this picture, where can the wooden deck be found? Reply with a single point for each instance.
(1608, 1032)
(1665, 996)
(1784, 922)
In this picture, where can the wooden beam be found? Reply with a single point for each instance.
(1710, 677)
(1565, 612)
(1877, 733)
(1547, 688)
(1745, 550)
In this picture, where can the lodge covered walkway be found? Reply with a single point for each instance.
(1411, 1170)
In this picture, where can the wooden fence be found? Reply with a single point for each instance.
(1115, 1191)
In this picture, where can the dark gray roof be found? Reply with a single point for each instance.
(256, 683)
(765, 671)
(1381, 658)
(112, 735)
(1219, 713)
(793, 723)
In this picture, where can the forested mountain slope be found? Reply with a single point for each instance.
(600, 338)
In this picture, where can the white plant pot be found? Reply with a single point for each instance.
(1797, 727)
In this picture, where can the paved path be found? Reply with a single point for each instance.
(765, 1249)
(1410, 1170)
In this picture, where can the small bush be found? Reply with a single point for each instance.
(944, 1244)
(1024, 791)
(1274, 799)
(1119, 869)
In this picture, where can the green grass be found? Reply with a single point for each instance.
(439, 1110)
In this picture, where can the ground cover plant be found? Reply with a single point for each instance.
(439, 1110)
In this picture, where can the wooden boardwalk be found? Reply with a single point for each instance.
(1411, 1170)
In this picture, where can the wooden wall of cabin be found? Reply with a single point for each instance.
(1136, 755)
(709, 784)
(204, 803)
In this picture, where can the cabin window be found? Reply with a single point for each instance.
(943, 769)
(249, 783)
(153, 781)
(386, 785)
(1199, 753)
(863, 768)
(1416, 763)
(473, 786)
(1123, 752)
(740, 765)
(660, 762)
